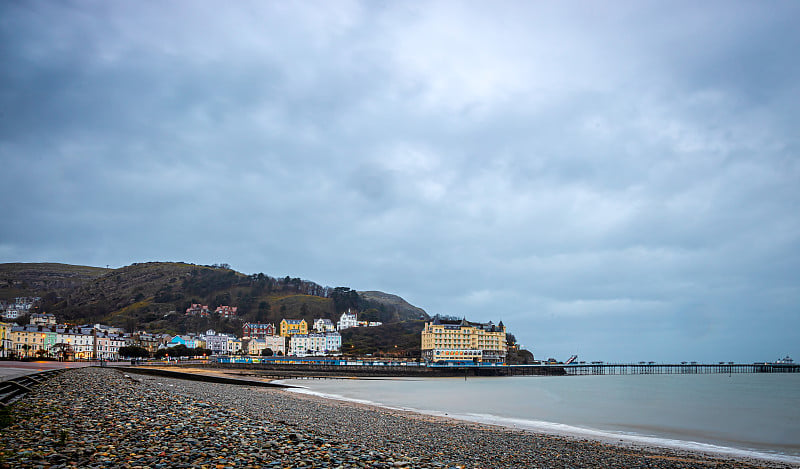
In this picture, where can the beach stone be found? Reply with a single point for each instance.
(165, 423)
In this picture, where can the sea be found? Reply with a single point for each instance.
(755, 415)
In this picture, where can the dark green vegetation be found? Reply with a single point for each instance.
(180, 350)
(132, 351)
(154, 296)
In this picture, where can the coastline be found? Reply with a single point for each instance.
(564, 430)
(151, 422)
(369, 422)
(680, 451)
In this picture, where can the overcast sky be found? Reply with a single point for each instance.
(619, 180)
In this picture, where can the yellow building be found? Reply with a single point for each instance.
(290, 327)
(464, 341)
(5, 339)
(26, 341)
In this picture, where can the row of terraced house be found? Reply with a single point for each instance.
(43, 338)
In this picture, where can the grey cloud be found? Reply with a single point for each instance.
(562, 167)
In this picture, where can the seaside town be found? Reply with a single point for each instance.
(44, 338)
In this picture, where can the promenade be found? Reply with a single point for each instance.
(14, 369)
(103, 417)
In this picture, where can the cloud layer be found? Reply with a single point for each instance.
(619, 181)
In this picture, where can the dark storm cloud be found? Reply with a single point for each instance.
(617, 181)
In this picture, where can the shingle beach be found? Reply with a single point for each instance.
(100, 417)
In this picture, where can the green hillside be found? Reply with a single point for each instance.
(155, 295)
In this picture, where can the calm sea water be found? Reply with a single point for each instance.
(741, 414)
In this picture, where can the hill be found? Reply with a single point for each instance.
(38, 279)
(385, 307)
(155, 296)
(399, 339)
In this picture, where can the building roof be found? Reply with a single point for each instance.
(455, 324)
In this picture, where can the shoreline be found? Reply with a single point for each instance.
(634, 442)
(497, 436)
(142, 421)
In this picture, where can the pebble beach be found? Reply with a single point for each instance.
(101, 418)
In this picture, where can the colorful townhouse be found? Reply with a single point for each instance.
(226, 311)
(257, 330)
(275, 343)
(198, 310)
(106, 346)
(219, 344)
(30, 340)
(74, 343)
(5, 339)
(290, 327)
(234, 345)
(315, 344)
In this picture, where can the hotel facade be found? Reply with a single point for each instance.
(444, 341)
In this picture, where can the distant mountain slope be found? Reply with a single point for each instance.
(391, 308)
(37, 279)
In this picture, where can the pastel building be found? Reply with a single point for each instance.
(107, 346)
(291, 327)
(187, 340)
(217, 343)
(324, 325)
(234, 344)
(5, 339)
(302, 345)
(226, 311)
(275, 343)
(333, 342)
(75, 342)
(257, 330)
(197, 310)
(347, 320)
(26, 341)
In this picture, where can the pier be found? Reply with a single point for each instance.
(676, 369)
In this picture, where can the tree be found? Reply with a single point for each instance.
(62, 351)
(263, 311)
(179, 350)
(510, 339)
(344, 299)
(267, 352)
(133, 351)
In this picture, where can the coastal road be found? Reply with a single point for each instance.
(13, 369)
